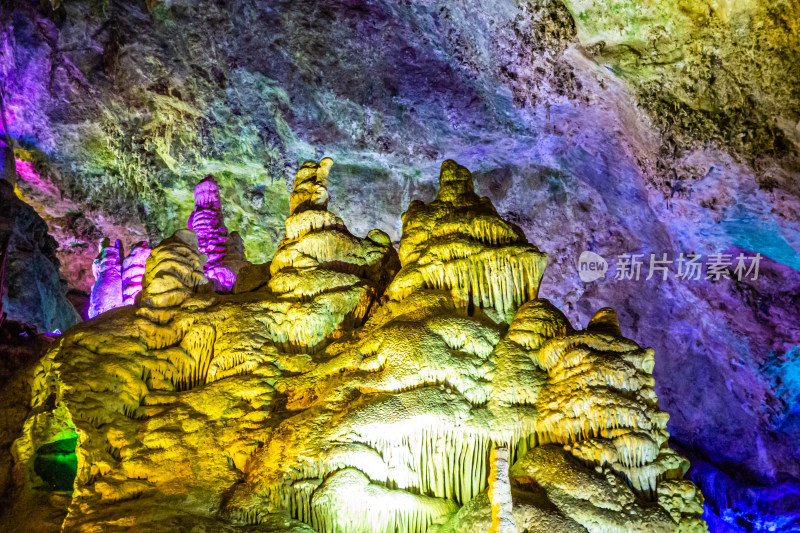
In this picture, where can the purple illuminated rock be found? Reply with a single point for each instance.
(133, 267)
(107, 270)
(225, 251)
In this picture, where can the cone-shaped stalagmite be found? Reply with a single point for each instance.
(333, 276)
(459, 243)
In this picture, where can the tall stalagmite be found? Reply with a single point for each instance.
(117, 280)
(224, 250)
(133, 267)
(107, 269)
(349, 389)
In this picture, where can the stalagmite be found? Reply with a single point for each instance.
(333, 276)
(173, 271)
(458, 243)
(133, 267)
(598, 401)
(107, 269)
(118, 280)
(500, 493)
(349, 389)
(224, 251)
(605, 321)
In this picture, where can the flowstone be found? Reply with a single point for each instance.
(346, 388)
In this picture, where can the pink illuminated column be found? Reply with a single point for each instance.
(107, 270)
(208, 223)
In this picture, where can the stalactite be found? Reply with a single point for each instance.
(348, 502)
(437, 461)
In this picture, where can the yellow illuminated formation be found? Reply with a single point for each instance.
(346, 387)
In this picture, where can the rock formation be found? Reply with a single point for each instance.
(500, 493)
(225, 251)
(133, 268)
(327, 277)
(658, 127)
(117, 280)
(33, 293)
(355, 391)
(107, 269)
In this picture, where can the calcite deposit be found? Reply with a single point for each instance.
(224, 251)
(133, 268)
(615, 127)
(353, 389)
(107, 269)
(118, 278)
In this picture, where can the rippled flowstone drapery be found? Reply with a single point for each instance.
(354, 390)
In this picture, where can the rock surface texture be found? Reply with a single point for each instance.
(357, 391)
(32, 292)
(661, 127)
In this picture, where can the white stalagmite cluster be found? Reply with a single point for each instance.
(341, 388)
